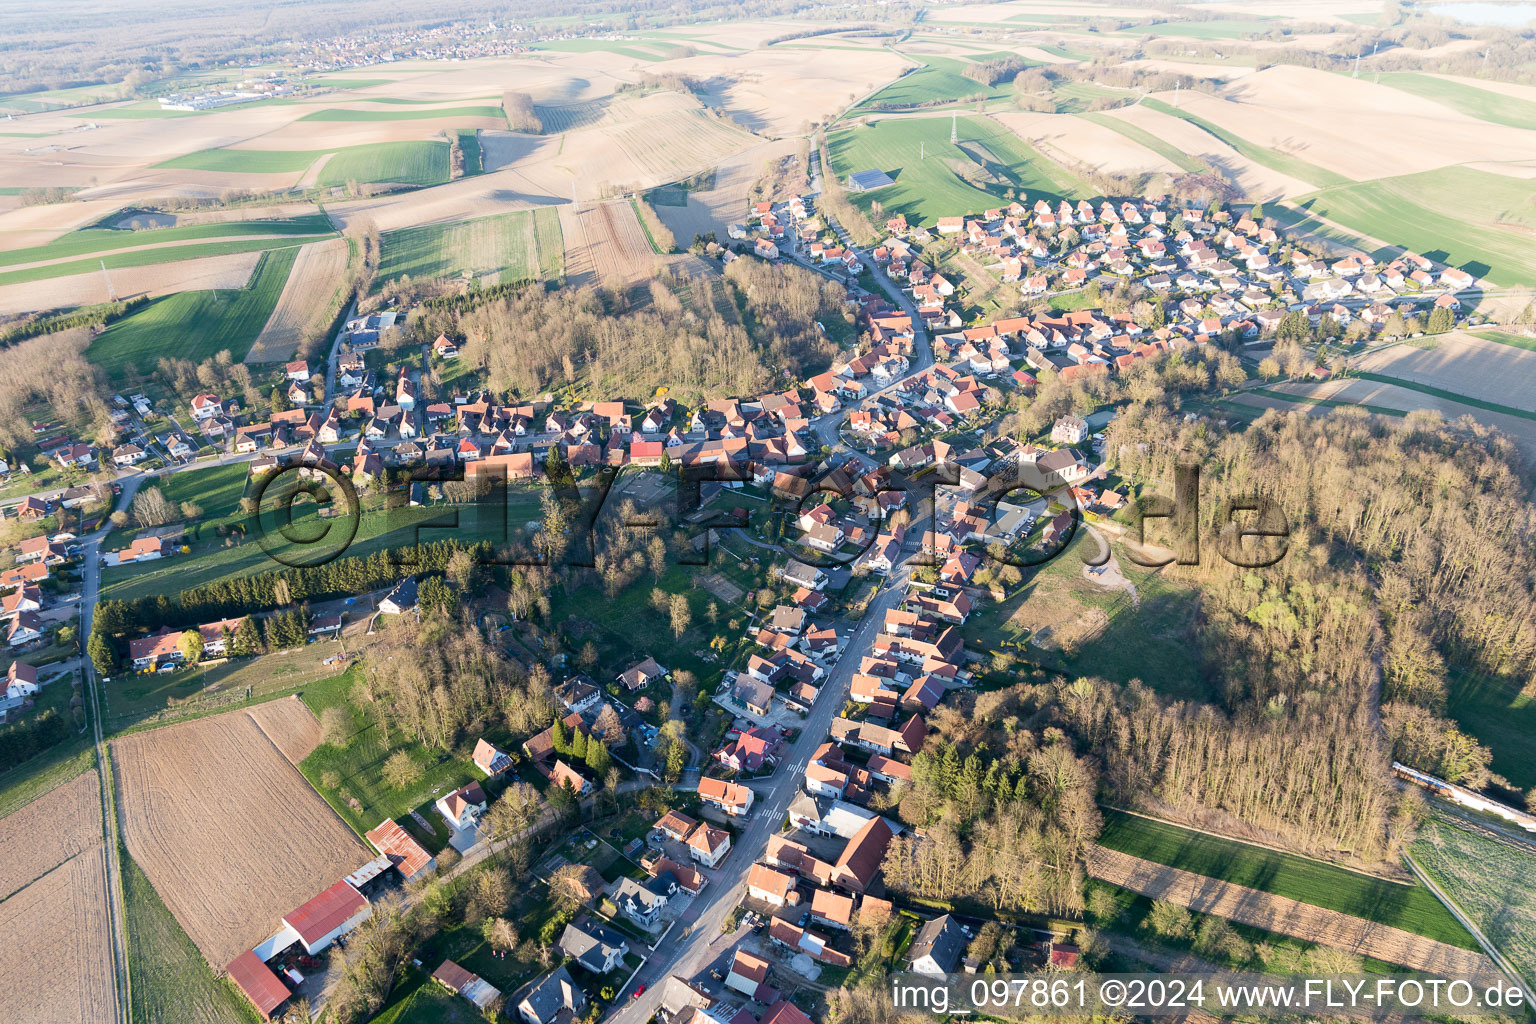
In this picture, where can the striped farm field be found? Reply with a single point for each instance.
(202, 324)
(408, 114)
(569, 116)
(1275, 160)
(677, 143)
(524, 245)
(90, 241)
(1411, 908)
(403, 163)
(245, 161)
(1141, 136)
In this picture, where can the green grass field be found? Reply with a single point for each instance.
(1409, 907)
(341, 114)
(469, 145)
(404, 163)
(524, 245)
(624, 47)
(195, 325)
(1493, 709)
(245, 161)
(1482, 104)
(1140, 135)
(89, 241)
(1506, 338)
(1488, 879)
(927, 187)
(941, 80)
(170, 978)
(359, 764)
(1076, 97)
(1472, 219)
(1216, 28)
(379, 529)
(1275, 160)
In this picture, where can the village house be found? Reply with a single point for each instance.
(735, 800)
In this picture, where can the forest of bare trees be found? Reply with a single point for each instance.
(51, 369)
(700, 337)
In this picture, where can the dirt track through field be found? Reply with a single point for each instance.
(317, 273)
(211, 808)
(57, 965)
(1285, 916)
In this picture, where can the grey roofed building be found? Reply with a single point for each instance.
(863, 181)
(597, 948)
(937, 946)
(639, 901)
(554, 996)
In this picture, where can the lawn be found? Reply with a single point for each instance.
(1469, 99)
(1467, 218)
(363, 798)
(1092, 631)
(195, 325)
(1275, 160)
(216, 489)
(87, 241)
(917, 154)
(379, 529)
(1493, 709)
(339, 114)
(1488, 878)
(941, 80)
(524, 245)
(170, 978)
(1409, 907)
(1140, 135)
(404, 163)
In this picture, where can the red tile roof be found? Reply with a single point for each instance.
(264, 989)
(403, 851)
(326, 912)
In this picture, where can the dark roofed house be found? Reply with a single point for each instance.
(554, 997)
(937, 947)
(597, 948)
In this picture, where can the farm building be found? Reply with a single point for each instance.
(264, 989)
(463, 983)
(864, 181)
(327, 917)
(408, 856)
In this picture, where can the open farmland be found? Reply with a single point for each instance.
(1488, 876)
(1462, 364)
(406, 114)
(917, 153)
(524, 245)
(1467, 218)
(1257, 180)
(672, 145)
(403, 163)
(1482, 104)
(210, 804)
(1089, 143)
(89, 287)
(53, 904)
(1276, 160)
(1288, 917)
(715, 209)
(604, 243)
(939, 81)
(1175, 156)
(1409, 907)
(209, 321)
(307, 302)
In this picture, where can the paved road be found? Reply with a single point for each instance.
(691, 952)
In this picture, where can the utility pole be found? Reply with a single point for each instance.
(954, 128)
(1176, 94)
(111, 292)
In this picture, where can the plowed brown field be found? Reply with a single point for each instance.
(1285, 916)
(53, 910)
(306, 300)
(226, 828)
